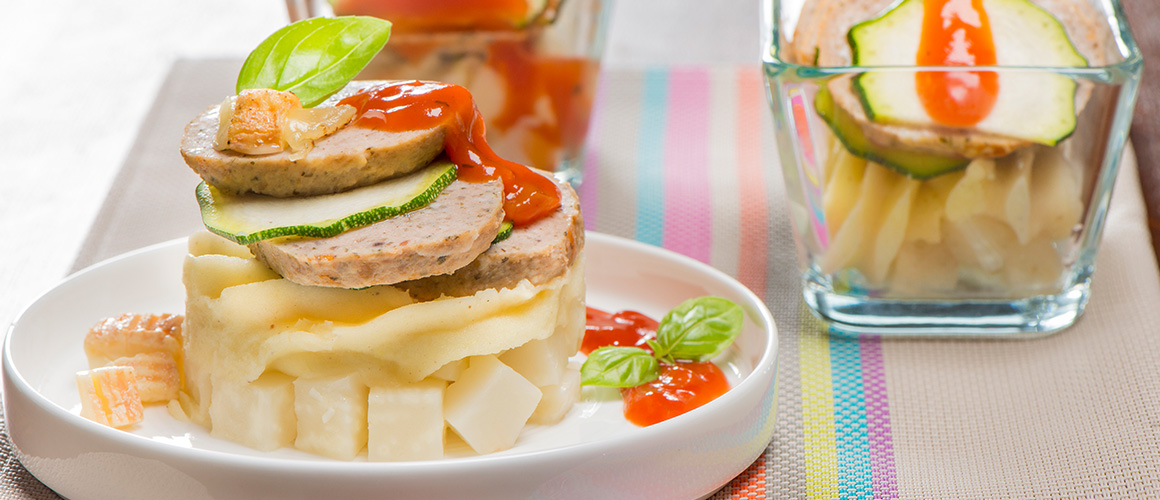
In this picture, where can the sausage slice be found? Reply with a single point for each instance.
(348, 158)
(538, 252)
(439, 238)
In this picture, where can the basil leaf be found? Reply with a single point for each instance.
(698, 329)
(618, 366)
(314, 58)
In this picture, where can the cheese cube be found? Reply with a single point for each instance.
(558, 398)
(541, 361)
(109, 396)
(332, 416)
(406, 422)
(489, 404)
(258, 414)
(451, 370)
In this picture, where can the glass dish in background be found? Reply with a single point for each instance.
(531, 66)
(1003, 247)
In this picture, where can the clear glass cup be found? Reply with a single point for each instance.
(938, 230)
(533, 73)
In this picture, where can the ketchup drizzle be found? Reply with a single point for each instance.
(418, 105)
(956, 33)
(625, 328)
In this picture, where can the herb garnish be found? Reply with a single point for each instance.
(697, 330)
(314, 58)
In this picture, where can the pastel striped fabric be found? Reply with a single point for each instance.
(684, 158)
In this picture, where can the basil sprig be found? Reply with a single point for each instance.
(618, 366)
(698, 329)
(314, 58)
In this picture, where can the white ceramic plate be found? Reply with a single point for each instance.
(593, 453)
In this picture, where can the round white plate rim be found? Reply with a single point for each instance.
(765, 364)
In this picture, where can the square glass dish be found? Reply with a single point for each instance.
(531, 65)
(933, 200)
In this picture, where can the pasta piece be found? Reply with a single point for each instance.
(846, 249)
(892, 229)
(1015, 193)
(128, 335)
(927, 212)
(1035, 268)
(842, 187)
(847, 242)
(930, 268)
(969, 196)
(982, 242)
(157, 377)
(109, 396)
(1056, 201)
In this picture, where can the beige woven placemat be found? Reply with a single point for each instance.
(1074, 415)
(1070, 416)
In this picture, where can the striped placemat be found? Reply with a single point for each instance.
(684, 158)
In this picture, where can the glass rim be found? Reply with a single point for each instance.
(1131, 63)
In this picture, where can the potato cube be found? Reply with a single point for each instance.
(332, 416)
(541, 361)
(406, 422)
(558, 399)
(109, 396)
(489, 404)
(450, 371)
(258, 414)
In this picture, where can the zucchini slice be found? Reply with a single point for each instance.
(914, 164)
(247, 218)
(1035, 106)
(505, 230)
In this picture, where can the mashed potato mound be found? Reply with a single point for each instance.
(244, 322)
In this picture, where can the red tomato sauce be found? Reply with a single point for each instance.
(417, 105)
(531, 75)
(625, 328)
(681, 386)
(956, 33)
